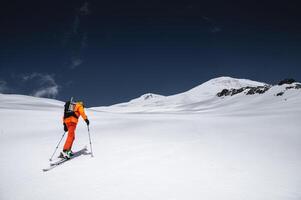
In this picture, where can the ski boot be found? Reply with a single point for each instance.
(66, 154)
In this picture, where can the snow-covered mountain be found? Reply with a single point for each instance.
(204, 98)
(194, 145)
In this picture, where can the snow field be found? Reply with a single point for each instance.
(237, 147)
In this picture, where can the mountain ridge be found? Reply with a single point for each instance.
(217, 92)
(208, 94)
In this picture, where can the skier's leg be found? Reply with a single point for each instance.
(71, 136)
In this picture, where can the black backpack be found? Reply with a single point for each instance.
(69, 109)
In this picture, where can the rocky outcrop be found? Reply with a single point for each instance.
(298, 86)
(287, 81)
(224, 92)
(248, 91)
(260, 89)
(237, 91)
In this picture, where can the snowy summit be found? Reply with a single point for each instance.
(204, 97)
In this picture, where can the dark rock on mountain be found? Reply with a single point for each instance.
(298, 86)
(289, 87)
(224, 92)
(258, 90)
(236, 91)
(251, 90)
(287, 81)
(148, 96)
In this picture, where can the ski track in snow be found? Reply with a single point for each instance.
(240, 147)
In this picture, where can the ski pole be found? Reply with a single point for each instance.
(90, 142)
(57, 146)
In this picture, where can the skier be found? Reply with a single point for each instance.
(70, 119)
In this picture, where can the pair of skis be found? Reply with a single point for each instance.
(76, 154)
(83, 151)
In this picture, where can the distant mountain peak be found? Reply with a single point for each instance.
(230, 82)
(147, 97)
(215, 85)
(211, 95)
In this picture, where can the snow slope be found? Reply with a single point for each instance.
(199, 98)
(193, 145)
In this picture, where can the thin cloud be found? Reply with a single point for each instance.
(3, 86)
(214, 28)
(51, 91)
(46, 84)
(76, 24)
(84, 9)
(84, 41)
(75, 62)
(76, 38)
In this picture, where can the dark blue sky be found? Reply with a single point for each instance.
(106, 52)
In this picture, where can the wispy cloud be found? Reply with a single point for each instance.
(51, 91)
(75, 62)
(76, 24)
(3, 86)
(45, 83)
(84, 41)
(34, 84)
(84, 9)
(76, 38)
(213, 27)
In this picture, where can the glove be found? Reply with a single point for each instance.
(65, 127)
(87, 121)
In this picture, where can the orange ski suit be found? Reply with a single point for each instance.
(71, 123)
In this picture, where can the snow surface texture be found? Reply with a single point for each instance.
(193, 145)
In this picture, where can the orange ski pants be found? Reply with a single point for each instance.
(71, 135)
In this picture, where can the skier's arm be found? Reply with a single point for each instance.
(82, 112)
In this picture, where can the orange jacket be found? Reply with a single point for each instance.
(79, 111)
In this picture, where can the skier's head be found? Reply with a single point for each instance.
(81, 103)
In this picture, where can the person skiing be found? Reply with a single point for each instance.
(73, 110)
